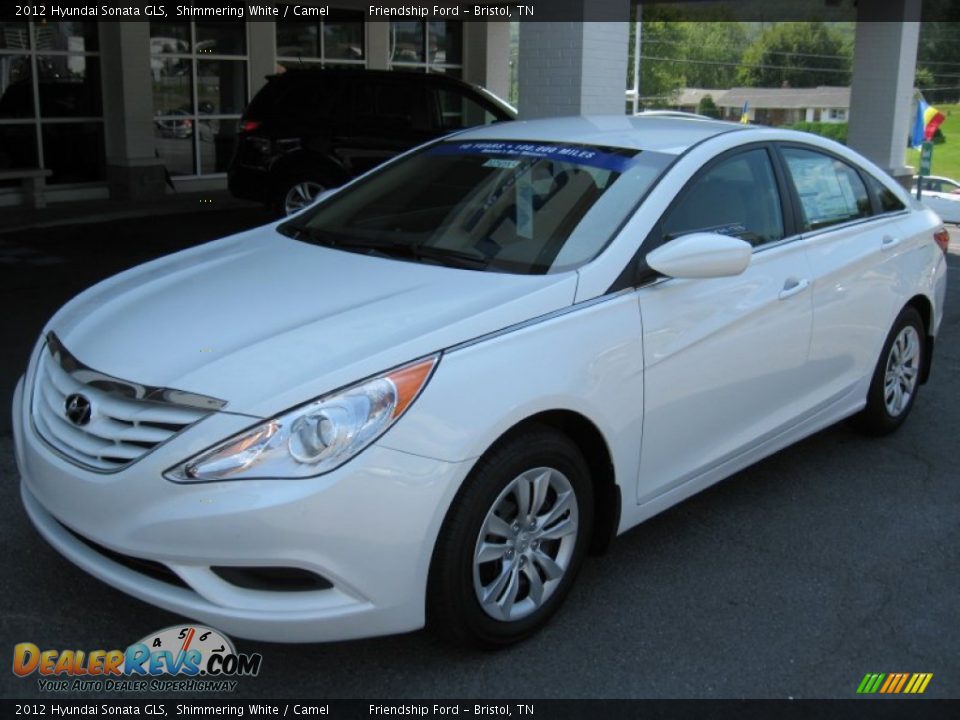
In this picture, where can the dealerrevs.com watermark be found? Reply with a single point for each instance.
(180, 658)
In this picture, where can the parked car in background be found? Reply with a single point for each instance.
(940, 194)
(426, 397)
(310, 130)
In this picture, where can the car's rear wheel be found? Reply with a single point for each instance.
(513, 541)
(896, 379)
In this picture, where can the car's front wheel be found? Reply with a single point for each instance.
(896, 379)
(513, 541)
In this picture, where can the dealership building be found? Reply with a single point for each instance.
(134, 110)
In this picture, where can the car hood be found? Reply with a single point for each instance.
(265, 322)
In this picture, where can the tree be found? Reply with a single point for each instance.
(708, 107)
(797, 55)
(678, 54)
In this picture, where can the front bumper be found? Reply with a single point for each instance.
(368, 528)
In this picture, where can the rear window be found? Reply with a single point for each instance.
(302, 98)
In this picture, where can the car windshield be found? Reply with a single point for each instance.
(518, 207)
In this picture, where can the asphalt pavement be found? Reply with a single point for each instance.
(836, 557)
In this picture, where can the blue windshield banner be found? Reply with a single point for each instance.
(576, 154)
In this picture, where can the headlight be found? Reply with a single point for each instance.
(315, 438)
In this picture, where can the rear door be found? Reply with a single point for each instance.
(725, 359)
(854, 245)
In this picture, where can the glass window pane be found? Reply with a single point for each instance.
(74, 152)
(221, 86)
(343, 37)
(446, 42)
(830, 190)
(70, 36)
(217, 140)
(18, 149)
(69, 86)
(172, 93)
(406, 41)
(16, 87)
(737, 197)
(298, 39)
(14, 36)
(169, 38)
(221, 38)
(174, 144)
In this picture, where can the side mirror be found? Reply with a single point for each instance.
(701, 255)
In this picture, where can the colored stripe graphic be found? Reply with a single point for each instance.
(894, 683)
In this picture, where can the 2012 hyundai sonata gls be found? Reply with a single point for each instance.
(424, 398)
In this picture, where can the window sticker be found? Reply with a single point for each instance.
(524, 203)
(501, 163)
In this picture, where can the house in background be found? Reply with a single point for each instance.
(773, 106)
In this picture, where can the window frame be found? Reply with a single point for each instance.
(37, 119)
(322, 60)
(195, 116)
(426, 66)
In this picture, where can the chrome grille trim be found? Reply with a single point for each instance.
(127, 420)
(109, 384)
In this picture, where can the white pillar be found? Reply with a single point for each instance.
(378, 45)
(486, 59)
(574, 68)
(262, 39)
(133, 171)
(881, 96)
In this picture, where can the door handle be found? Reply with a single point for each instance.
(889, 242)
(793, 286)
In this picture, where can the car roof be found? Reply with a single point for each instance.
(657, 133)
(307, 73)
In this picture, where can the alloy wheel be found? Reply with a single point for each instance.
(301, 195)
(526, 544)
(903, 369)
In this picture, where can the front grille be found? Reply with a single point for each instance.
(125, 422)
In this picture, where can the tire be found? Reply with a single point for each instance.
(896, 379)
(523, 572)
(295, 194)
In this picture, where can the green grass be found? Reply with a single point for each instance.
(946, 156)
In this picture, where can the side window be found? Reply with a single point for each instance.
(830, 191)
(460, 111)
(394, 104)
(738, 196)
(888, 201)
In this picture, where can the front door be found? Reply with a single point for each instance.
(725, 359)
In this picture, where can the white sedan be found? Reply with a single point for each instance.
(940, 194)
(423, 399)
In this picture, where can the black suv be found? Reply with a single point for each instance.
(308, 130)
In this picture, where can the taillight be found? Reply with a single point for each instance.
(249, 125)
(943, 239)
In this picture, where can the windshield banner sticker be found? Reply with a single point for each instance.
(569, 153)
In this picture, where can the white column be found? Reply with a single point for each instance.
(262, 38)
(133, 171)
(378, 45)
(574, 68)
(486, 59)
(881, 96)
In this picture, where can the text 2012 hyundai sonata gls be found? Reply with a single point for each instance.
(424, 398)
